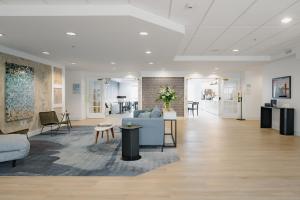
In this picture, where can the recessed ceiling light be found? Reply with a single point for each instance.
(73, 63)
(46, 52)
(144, 33)
(151, 63)
(1, 34)
(148, 52)
(286, 20)
(112, 63)
(71, 33)
(235, 50)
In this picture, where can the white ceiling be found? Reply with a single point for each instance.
(213, 28)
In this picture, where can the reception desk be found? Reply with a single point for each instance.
(286, 118)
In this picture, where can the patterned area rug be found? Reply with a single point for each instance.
(76, 154)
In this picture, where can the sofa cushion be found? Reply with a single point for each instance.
(156, 113)
(145, 115)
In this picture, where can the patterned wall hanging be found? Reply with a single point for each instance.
(19, 92)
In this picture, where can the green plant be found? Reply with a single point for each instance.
(167, 95)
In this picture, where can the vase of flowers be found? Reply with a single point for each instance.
(167, 95)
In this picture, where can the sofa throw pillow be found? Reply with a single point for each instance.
(155, 113)
(144, 115)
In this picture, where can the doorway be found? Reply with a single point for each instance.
(203, 95)
(121, 96)
(95, 103)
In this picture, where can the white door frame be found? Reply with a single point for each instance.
(102, 113)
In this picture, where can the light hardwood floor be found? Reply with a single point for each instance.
(219, 159)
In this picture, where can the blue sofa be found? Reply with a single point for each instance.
(152, 131)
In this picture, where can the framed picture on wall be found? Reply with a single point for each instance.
(281, 87)
(76, 88)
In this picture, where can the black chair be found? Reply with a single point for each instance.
(194, 106)
(126, 106)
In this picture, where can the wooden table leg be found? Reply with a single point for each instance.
(97, 135)
(107, 133)
(112, 132)
(102, 134)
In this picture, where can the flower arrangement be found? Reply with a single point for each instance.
(167, 95)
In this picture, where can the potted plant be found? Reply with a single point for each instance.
(167, 95)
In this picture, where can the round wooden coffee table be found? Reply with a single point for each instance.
(101, 129)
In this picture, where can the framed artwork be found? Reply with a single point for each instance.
(19, 92)
(76, 88)
(281, 87)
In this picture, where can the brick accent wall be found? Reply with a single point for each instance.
(150, 89)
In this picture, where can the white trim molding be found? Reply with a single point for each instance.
(223, 58)
(28, 56)
(91, 10)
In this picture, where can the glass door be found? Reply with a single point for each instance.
(95, 104)
(229, 98)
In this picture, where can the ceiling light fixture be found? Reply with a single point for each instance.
(71, 33)
(46, 52)
(235, 50)
(112, 63)
(151, 63)
(144, 33)
(73, 63)
(286, 20)
(148, 52)
(1, 34)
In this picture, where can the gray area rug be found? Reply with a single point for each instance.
(75, 154)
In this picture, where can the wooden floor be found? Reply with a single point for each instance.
(219, 159)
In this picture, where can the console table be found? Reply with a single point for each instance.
(286, 119)
(170, 116)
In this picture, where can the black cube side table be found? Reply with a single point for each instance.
(130, 143)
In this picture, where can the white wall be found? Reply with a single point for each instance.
(285, 67)
(252, 94)
(75, 103)
(129, 89)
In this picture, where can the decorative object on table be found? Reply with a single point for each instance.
(76, 88)
(240, 100)
(50, 119)
(167, 95)
(104, 127)
(281, 87)
(170, 116)
(273, 102)
(19, 92)
(130, 143)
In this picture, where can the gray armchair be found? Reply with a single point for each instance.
(152, 131)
